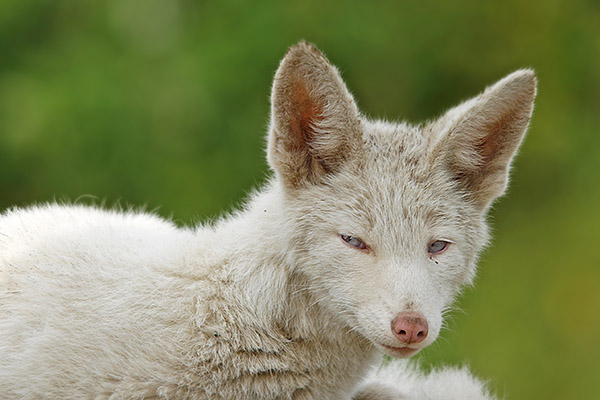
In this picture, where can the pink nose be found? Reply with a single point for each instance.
(410, 327)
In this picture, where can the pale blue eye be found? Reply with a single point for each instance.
(438, 246)
(354, 242)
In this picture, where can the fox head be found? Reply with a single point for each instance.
(389, 218)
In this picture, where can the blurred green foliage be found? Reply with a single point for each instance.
(164, 103)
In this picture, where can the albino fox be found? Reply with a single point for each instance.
(356, 247)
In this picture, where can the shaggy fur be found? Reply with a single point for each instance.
(401, 381)
(269, 303)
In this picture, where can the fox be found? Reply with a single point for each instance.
(352, 251)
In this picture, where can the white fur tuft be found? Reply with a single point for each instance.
(407, 382)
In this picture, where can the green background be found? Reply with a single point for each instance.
(164, 103)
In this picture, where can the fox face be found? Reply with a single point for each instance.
(389, 218)
(384, 238)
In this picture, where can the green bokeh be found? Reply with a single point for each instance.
(164, 103)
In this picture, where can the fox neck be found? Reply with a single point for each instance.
(267, 275)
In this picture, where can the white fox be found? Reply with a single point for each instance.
(355, 247)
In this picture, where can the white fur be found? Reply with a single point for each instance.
(270, 302)
(401, 381)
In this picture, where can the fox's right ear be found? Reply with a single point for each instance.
(484, 134)
(315, 122)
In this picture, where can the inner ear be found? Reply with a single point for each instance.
(308, 113)
(499, 137)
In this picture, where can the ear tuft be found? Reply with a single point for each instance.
(314, 120)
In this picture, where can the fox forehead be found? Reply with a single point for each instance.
(390, 191)
(402, 174)
(402, 150)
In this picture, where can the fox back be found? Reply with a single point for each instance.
(356, 246)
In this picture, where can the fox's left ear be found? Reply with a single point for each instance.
(483, 134)
(315, 126)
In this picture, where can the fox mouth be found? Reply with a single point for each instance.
(400, 352)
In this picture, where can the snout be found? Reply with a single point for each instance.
(410, 327)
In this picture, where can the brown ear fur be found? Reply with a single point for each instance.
(314, 120)
(485, 134)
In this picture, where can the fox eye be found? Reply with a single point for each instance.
(438, 246)
(354, 242)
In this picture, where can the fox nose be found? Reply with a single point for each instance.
(410, 327)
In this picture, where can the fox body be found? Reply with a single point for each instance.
(355, 247)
